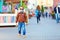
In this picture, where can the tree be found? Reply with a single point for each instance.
(22, 4)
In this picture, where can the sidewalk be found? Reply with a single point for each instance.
(47, 29)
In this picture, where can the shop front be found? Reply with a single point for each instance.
(7, 12)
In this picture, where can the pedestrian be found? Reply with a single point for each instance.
(38, 13)
(21, 19)
(46, 12)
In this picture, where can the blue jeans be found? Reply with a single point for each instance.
(38, 19)
(21, 26)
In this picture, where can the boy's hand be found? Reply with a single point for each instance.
(26, 23)
(16, 24)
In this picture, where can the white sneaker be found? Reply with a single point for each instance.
(24, 36)
(19, 35)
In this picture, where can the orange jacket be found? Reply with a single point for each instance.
(21, 17)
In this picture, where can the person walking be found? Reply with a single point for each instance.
(38, 13)
(21, 19)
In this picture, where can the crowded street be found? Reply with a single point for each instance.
(29, 19)
(46, 29)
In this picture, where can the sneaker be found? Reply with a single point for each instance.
(24, 36)
(19, 35)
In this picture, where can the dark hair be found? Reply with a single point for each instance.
(38, 8)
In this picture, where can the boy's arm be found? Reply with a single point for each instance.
(25, 17)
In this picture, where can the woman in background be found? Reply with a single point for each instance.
(38, 13)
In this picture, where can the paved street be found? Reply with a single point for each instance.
(46, 29)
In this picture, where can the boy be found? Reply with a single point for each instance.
(21, 19)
